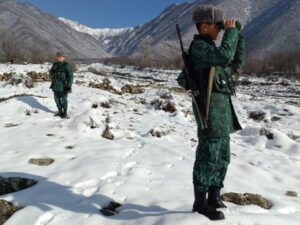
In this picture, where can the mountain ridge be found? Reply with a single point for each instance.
(35, 29)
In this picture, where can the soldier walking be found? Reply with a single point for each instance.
(212, 73)
(62, 79)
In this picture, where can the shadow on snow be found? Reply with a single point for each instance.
(47, 195)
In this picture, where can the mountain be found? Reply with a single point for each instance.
(270, 26)
(104, 35)
(35, 29)
(267, 23)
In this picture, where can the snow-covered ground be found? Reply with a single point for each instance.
(150, 176)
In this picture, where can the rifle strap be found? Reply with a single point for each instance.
(209, 89)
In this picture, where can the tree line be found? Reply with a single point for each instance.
(147, 56)
(11, 50)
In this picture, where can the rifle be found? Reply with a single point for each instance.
(194, 89)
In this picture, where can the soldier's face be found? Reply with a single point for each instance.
(60, 58)
(211, 30)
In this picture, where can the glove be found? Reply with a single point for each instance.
(68, 89)
(238, 25)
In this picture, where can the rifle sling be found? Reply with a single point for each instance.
(209, 90)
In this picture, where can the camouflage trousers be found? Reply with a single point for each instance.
(61, 100)
(212, 160)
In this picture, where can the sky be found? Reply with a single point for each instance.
(105, 13)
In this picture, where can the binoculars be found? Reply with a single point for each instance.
(238, 25)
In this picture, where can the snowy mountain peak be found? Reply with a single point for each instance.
(102, 34)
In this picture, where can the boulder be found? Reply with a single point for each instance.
(247, 199)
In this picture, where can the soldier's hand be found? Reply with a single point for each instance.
(229, 24)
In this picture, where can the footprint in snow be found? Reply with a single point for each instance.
(128, 154)
(45, 219)
(86, 188)
(128, 167)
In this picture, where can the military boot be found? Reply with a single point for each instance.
(64, 115)
(200, 206)
(59, 113)
(214, 200)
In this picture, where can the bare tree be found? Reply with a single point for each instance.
(10, 47)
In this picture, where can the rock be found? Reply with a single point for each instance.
(94, 106)
(157, 133)
(8, 125)
(156, 104)
(6, 76)
(41, 162)
(247, 199)
(6, 211)
(107, 134)
(257, 115)
(27, 112)
(14, 184)
(245, 82)
(132, 89)
(106, 105)
(143, 101)
(275, 118)
(169, 107)
(39, 76)
(92, 124)
(96, 71)
(105, 85)
(166, 96)
(111, 209)
(294, 137)
(292, 194)
(285, 83)
(267, 133)
(166, 106)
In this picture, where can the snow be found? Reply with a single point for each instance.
(102, 33)
(150, 176)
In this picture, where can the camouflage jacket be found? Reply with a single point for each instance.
(226, 58)
(62, 76)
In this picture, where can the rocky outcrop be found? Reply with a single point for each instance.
(20, 79)
(40, 33)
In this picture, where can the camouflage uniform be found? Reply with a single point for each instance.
(62, 79)
(213, 151)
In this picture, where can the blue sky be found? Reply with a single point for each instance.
(105, 13)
